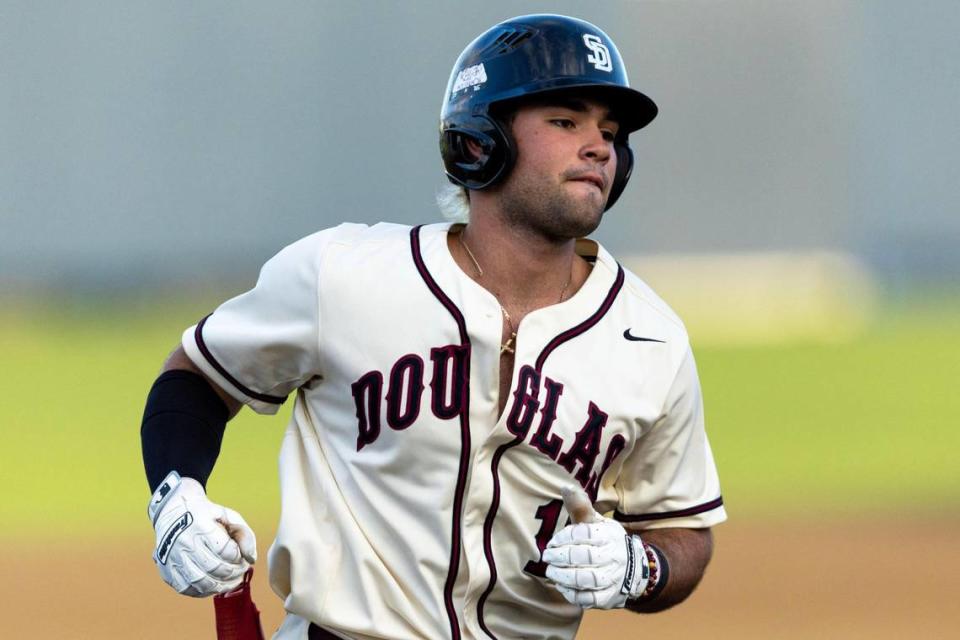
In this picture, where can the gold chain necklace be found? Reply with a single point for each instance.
(506, 347)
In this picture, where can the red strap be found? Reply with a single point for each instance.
(237, 616)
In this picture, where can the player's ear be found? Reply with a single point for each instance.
(474, 149)
(466, 149)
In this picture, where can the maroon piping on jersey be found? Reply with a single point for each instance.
(198, 337)
(455, 533)
(567, 335)
(679, 513)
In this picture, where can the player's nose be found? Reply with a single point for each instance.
(596, 146)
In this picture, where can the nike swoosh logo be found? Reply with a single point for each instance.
(628, 336)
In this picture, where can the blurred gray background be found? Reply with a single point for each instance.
(149, 144)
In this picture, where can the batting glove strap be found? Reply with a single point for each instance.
(636, 575)
(162, 495)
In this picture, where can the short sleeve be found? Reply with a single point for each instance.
(263, 344)
(670, 478)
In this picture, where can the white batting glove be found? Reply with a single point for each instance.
(594, 562)
(202, 548)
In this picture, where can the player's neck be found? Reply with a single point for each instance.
(522, 270)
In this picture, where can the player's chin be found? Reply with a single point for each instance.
(591, 207)
(589, 225)
(584, 219)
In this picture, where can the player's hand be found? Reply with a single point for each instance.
(202, 548)
(594, 562)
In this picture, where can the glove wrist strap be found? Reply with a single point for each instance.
(160, 497)
(636, 577)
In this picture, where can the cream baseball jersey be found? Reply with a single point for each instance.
(410, 509)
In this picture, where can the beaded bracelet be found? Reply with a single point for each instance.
(659, 570)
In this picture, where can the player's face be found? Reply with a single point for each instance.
(565, 167)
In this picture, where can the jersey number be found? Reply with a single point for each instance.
(549, 514)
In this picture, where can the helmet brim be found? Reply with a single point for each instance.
(631, 109)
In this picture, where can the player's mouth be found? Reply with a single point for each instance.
(591, 177)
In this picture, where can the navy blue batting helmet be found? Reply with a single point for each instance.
(531, 56)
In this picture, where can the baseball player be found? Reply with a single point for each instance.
(495, 425)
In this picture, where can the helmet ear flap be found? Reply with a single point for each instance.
(468, 157)
(622, 175)
(486, 160)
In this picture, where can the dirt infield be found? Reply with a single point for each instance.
(857, 579)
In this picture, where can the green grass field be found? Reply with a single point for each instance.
(871, 425)
(801, 429)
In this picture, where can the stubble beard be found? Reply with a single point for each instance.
(549, 211)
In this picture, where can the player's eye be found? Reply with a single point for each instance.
(609, 135)
(563, 123)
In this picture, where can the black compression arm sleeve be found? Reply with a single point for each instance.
(182, 427)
